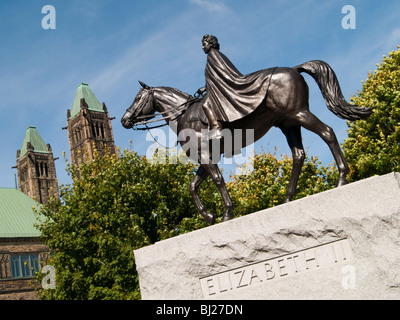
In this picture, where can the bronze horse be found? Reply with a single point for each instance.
(285, 106)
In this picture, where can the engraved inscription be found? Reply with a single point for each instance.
(291, 264)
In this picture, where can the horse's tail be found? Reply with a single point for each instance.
(329, 86)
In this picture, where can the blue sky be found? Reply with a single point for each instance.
(112, 44)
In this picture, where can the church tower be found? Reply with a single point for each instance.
(35, 167)
(88, 125)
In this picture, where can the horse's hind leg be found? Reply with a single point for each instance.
(293, 136)
(312, 123)
(200, 176)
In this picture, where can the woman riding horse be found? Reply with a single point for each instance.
(230, 95)
(255, 102)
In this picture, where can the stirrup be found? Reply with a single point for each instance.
(214, 133)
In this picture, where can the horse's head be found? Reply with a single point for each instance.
(141, 109)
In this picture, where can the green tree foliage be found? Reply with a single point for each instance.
(373, 145)
(119, 203)
(267, 184)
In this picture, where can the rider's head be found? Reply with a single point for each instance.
(212, 41)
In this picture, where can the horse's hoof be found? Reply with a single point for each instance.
(209, 217)
(341, 182)
(227, 217)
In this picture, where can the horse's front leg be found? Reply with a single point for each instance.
(200, 176)
(218, 179)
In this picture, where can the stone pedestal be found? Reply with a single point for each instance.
(339, 244)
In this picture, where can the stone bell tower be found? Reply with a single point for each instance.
(89, 126)
(35, 167)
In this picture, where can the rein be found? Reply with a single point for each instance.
(180, 110)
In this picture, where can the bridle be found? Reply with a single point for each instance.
(142, 105)
(179, 111)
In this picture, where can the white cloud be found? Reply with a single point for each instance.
(210, 6)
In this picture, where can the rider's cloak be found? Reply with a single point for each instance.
(231, 94)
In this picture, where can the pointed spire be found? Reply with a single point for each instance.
(33, 140)
(84, 92)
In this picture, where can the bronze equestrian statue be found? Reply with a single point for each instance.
(257, 101)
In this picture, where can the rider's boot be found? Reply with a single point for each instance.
(215, 130)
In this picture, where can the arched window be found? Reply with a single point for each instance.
(46, 170)
(76, 136)
(37, 170)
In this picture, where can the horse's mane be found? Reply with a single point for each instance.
(171, 91)
(185, 100)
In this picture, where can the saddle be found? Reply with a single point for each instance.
(195, 112)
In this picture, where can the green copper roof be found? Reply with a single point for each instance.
(33, 136)
(84, 91)
(17, 218)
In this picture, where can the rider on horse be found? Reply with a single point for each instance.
(230, 94)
